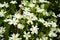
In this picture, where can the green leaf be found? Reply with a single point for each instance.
(6, 34)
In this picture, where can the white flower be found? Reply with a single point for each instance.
(2, 12)
(30, 21)
(53, 29)
(52, 34)
(45, 13)
(26, 13)
(34, 18)
(58, 15)
(29, 16)
(34, 1)
(53, 24)
(31, 5)
(41, 20)
(20, 26)
(44, 38)
(1, 35)
(34, 29)
(37, 38)
(24, 3)
(26, 9)
(2, 39)
(47, 24)
(13, 2)
(13, 21)
(54, 15)
(43, 1)
(6, 5)
(5, 20)
(50, 38)
(26, 35)
(42, 6)
(18, 16)
(9, 16)
(1, 5)
(20, 6)
(2, 30)
(14, 37)
(39, 9)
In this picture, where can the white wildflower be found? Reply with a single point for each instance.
(26, 9)
(34, 1)
(2, 12)
(29, 16)
(18, 16)
(52, 34)
(47, 24)
(13, 21)
(20, 26)
(30, 21)
(39, 9)
(41, 20)
(1, 5)
(31, 5)
(42, 6)
(13, 2)
(6, 5)
(20, 6)
(54, 15)
(34, 29)
(24, 3)
(26, 35)
(45, 13)
(37, 38)
(58, 15)
(34, 18)
(42, 1)
(14, 37)
(2, 30)
(5, 20)
(44, 38)
(53, 24)
(50, 38)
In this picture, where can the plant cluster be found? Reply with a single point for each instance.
(32, 21)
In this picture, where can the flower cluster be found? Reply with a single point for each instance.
(31, 22)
